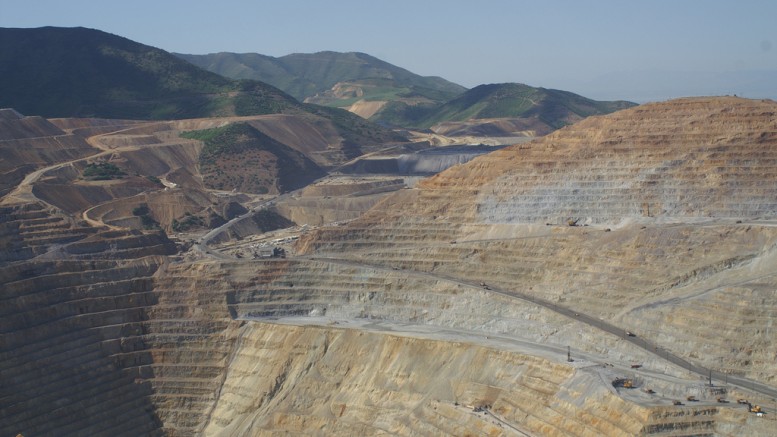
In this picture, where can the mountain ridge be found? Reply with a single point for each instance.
(43, 71)
(303, 75)
(551, 108)
(391, 95)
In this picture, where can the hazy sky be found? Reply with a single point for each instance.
(635, 50)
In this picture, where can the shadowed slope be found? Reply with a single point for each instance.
(42, 72)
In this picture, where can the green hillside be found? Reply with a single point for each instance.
(78, 72)
(304, 75)
(344, 79)
(554, 108)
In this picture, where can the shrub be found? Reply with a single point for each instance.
(141, 210)
(148, 222)
(103, 171)
(187, 222)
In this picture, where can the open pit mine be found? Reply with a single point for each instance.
(617, 277)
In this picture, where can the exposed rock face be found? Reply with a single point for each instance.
(390, 321)
(73, 301)
(688, 159)
(321, 381)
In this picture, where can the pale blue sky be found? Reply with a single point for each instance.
(607, 49)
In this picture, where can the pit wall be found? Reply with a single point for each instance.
(328, 381)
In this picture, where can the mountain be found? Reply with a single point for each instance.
(387, 94)
(78, 72)
(316, 75)
(541, 110)
(66, 72)
(358, 82)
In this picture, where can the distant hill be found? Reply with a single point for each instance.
(306, 75)
(541, 110)
(387, 94)
(78, 72)
(355, 81)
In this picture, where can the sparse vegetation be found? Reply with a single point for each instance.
(269, 220)
(238, 156)
(103, 171)
(187, 222)
(140, 210)
(154, 179)
(148, 222)
(144, 213)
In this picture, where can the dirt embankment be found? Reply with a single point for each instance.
(367, 109)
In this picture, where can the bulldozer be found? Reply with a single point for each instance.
(756, 409)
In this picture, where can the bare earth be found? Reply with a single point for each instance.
(583, 283)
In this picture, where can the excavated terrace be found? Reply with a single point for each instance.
(655, 219)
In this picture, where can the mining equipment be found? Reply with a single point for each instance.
(623, 382)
